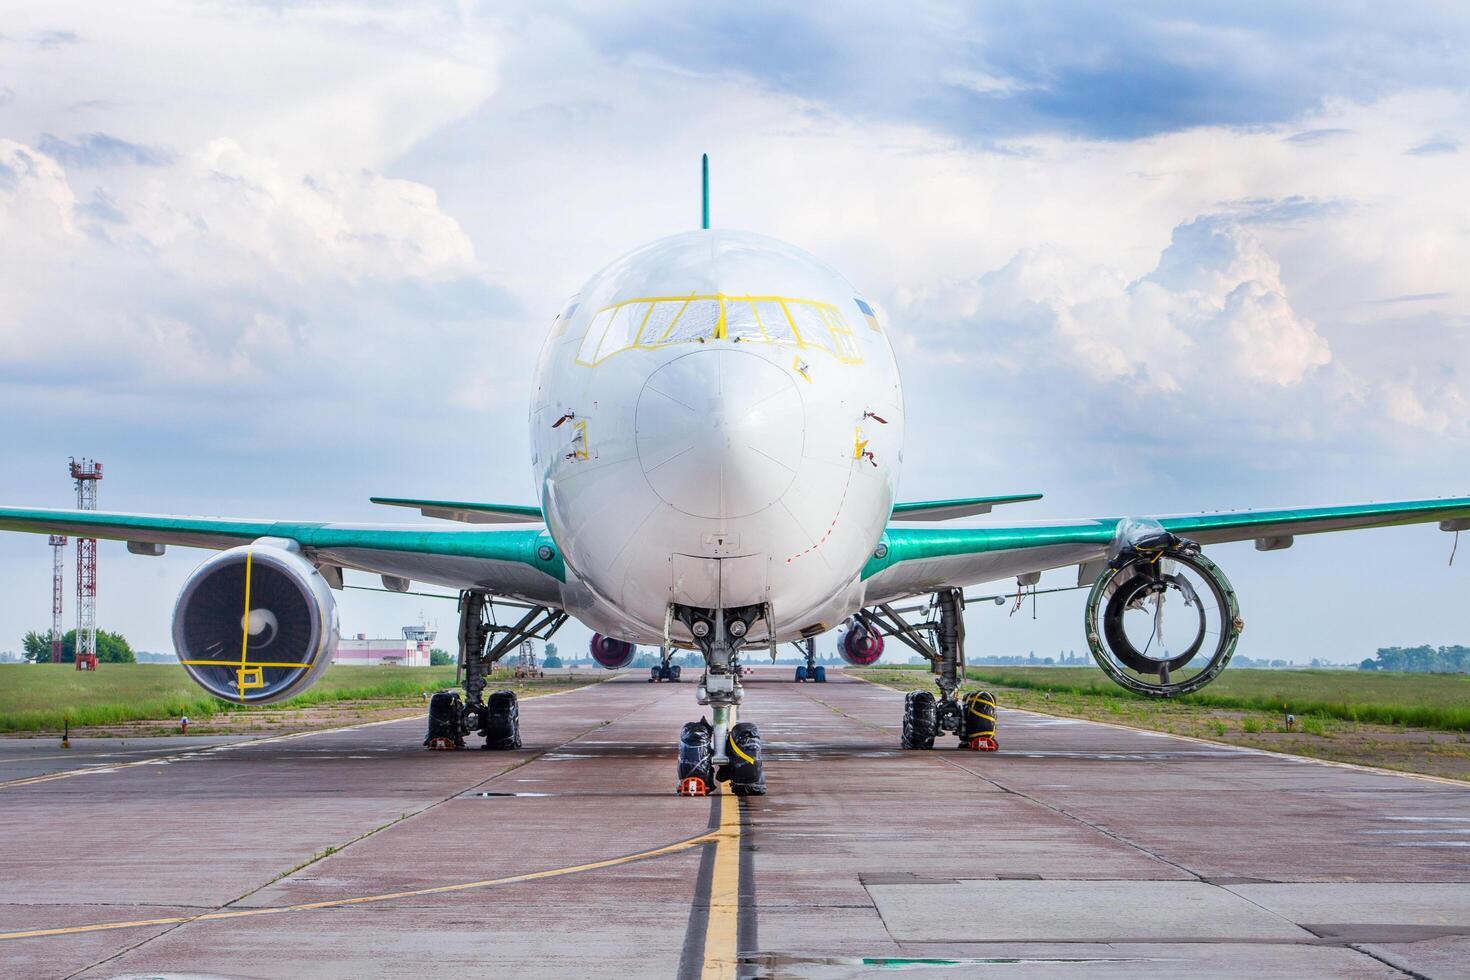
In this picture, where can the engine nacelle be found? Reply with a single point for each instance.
(861, 645)
(1162, 620)
(612, 653)
(256, 624)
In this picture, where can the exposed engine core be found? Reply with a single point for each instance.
(270, 649)
(861, 645)
(610, 653)
(1163, 619)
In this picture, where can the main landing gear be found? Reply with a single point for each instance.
(665, 671)
(811, 670)
(940, 639)
(719, 750)
(497, 718)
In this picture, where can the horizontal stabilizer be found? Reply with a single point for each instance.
(466, 512)
(948, 510)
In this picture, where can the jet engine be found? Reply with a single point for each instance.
(1162, 619)
(610, 653)
(256, 624)
(860, 645)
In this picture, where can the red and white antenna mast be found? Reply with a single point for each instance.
(85, 473)
(58, 589)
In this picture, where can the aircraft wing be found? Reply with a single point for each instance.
(916, 560)
(523, 563)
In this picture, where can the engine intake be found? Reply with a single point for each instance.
(861, 645)
(612, 653)
(1137, 644)
(255, 624)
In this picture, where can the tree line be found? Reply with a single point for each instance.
(112, 648)
(1420, 660)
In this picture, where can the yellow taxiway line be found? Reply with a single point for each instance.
(722, 928)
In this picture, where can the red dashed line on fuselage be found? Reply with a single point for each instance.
(830, 527)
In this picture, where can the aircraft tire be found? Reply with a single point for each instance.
(920, 720)
(501, 721)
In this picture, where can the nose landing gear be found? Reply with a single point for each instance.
(720, 750)
(744, 769)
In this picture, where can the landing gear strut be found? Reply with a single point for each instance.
(940, 639)
(496, 718)
(811, 670)
(712, 751)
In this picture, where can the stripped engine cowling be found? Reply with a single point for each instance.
(612, 653)
(861, 645)
(274, 649)
(1131, 637)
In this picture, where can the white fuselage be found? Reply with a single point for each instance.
(706, 431)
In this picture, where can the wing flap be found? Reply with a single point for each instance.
(468, 512)
(948, 510)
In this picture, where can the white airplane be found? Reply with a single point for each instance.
(717, 426)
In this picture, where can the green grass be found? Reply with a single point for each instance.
(1439, 701)
(37, 697)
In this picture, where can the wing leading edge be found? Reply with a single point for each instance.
(519, 562)
(923, 559)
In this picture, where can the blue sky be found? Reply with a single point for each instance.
(270, 260)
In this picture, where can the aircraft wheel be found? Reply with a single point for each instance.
(500, 721)
(978, 729)
(819, 674)
(800, 673)
(674, 671)
(446, 726)
(696, 759)
(746, 768)
(920, 720)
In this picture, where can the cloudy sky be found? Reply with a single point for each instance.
(270, 259)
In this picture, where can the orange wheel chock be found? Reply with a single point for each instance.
(983, 743)
(441, 744)
(693, 786)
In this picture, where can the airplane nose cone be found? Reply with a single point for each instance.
(720, 433)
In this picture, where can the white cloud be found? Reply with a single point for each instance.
(224, 211)
(1213, 310)
(36, 202)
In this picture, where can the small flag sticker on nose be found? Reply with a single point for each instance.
(867, 312)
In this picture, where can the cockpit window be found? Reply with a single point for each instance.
(774, 323)
(741, 323)
(652, 322)
(811, 328)
(622, 330)
(699, 320)
(660, 319)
